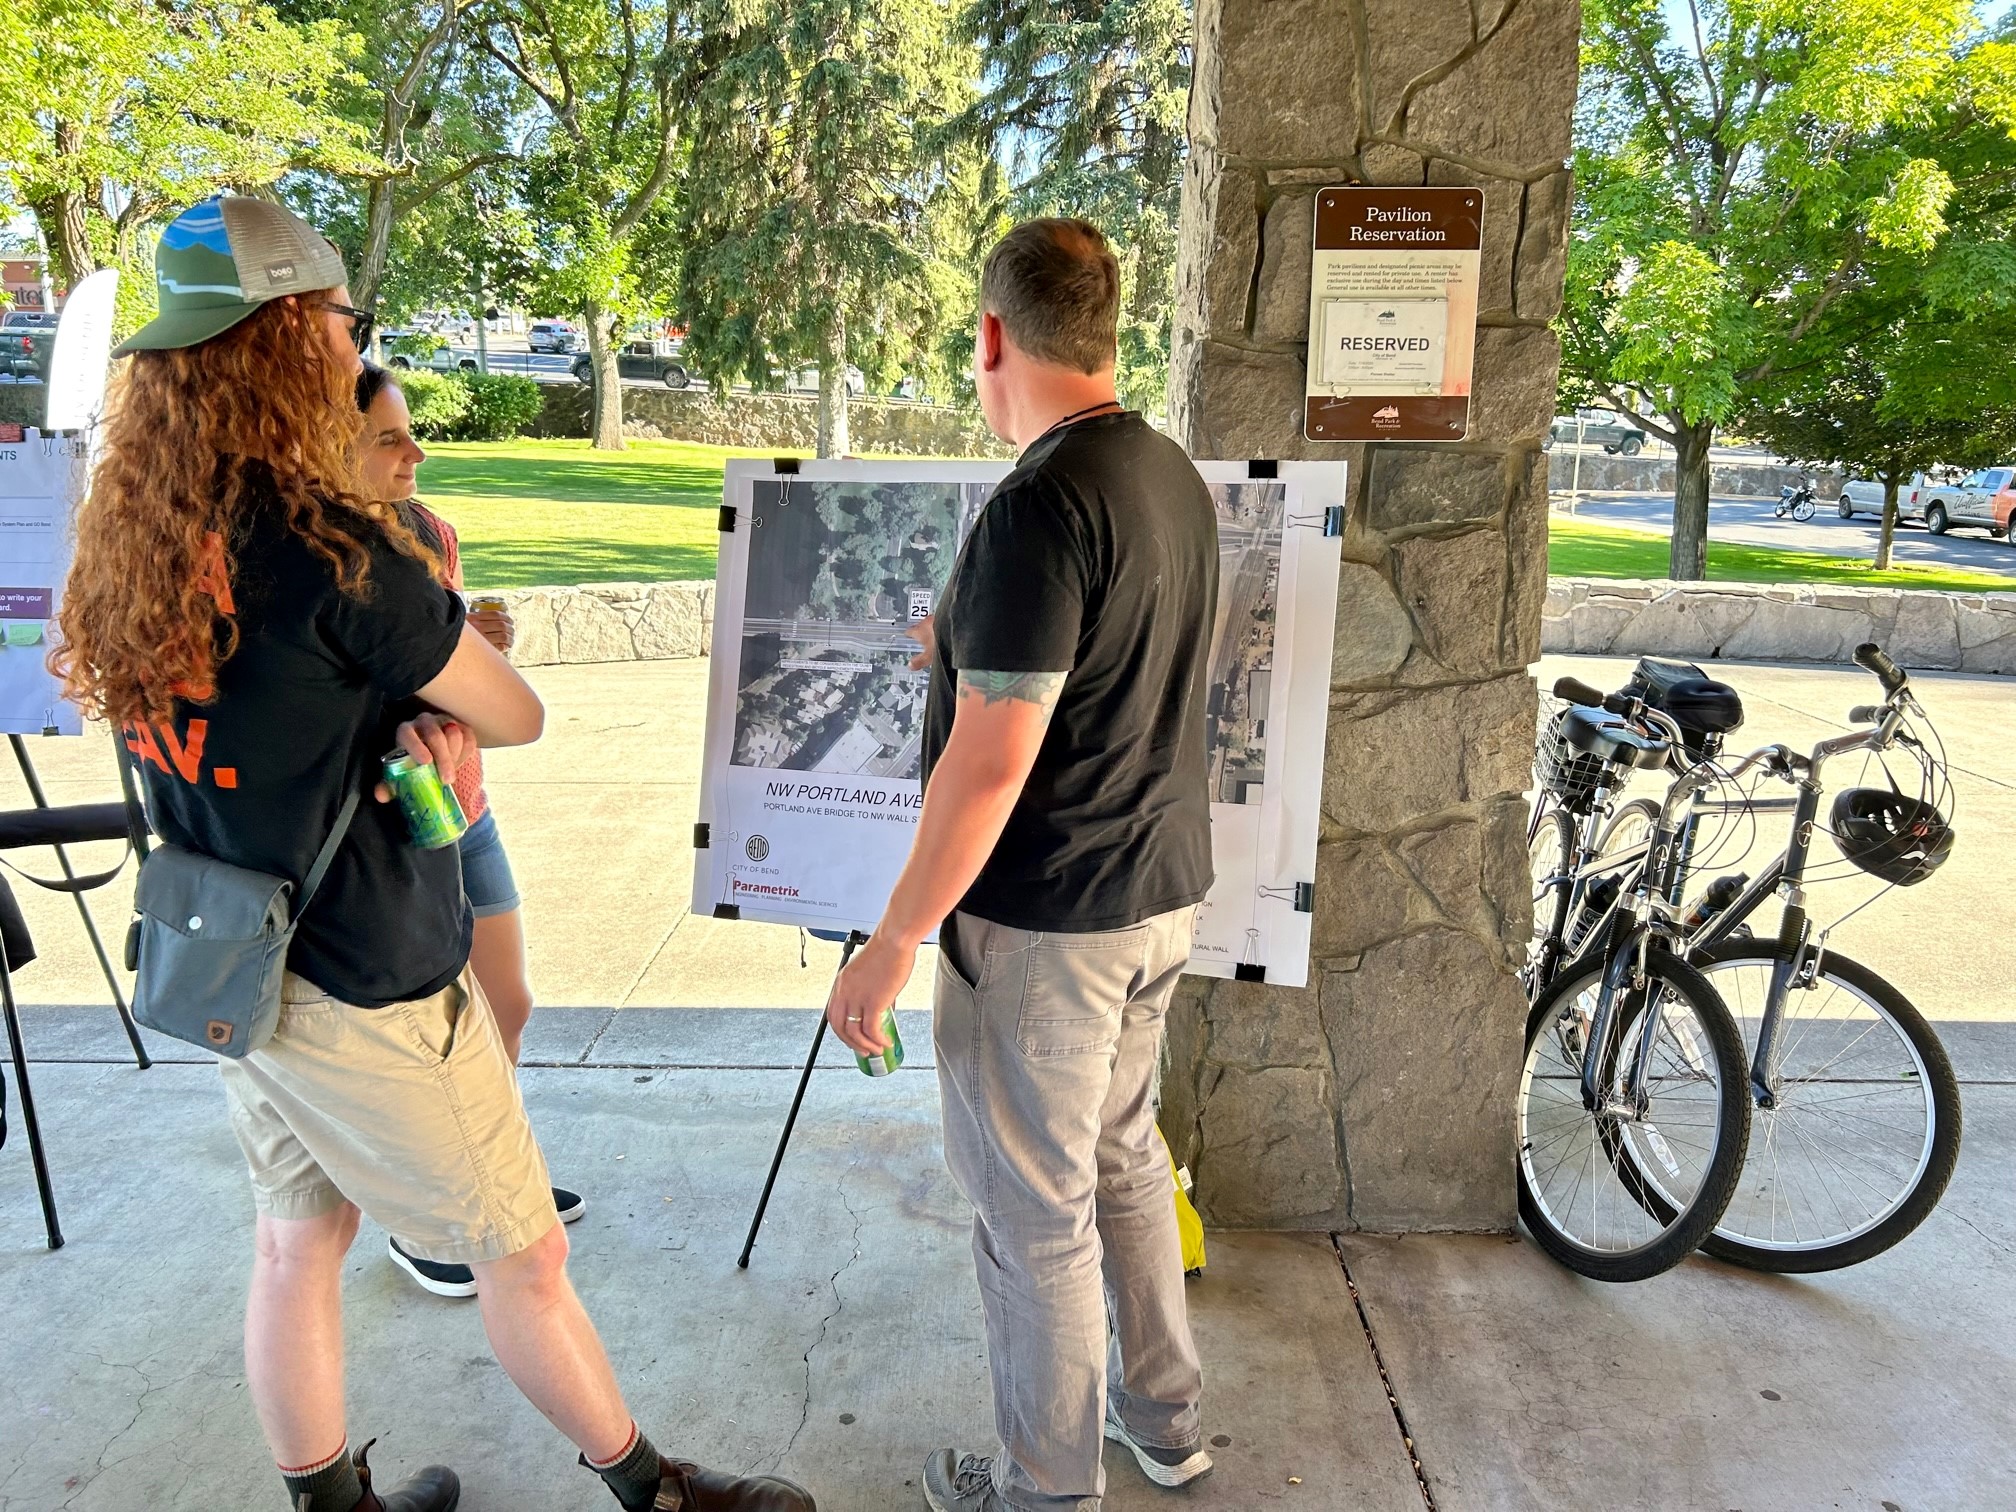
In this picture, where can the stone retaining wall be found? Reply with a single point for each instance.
(601, 622)
(1742, 480)
(1967, 632)
(786, 422)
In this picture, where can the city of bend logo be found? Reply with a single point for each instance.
(758, 849)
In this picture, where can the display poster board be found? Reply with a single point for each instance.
(1393, 313)
(42, 478)
(811, 781)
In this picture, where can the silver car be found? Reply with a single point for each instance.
(1865, 496)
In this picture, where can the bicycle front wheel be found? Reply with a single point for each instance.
(1864, 1127)
(1803, 510)
(1583, 1188)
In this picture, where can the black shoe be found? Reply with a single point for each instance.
(442, 1280)
(434, 1489)
(686, 1487)
(1165, 1467)
(569, 1205)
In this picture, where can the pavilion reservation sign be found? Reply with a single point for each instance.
(1393, 314)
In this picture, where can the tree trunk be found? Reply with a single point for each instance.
(833, 390)
(1689, 559)
(605, 405)
(62, 217)
(1888, 534)
(370, 270)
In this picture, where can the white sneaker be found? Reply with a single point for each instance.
(1165, 1467)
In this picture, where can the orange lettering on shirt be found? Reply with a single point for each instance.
(188, 758)
(227, 777)
(212, 578)
(140, 741)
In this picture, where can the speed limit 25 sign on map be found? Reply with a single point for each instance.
(1393, 313)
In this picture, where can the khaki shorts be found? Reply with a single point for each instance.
(411, 1112)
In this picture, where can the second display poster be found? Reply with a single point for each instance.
(812, 778)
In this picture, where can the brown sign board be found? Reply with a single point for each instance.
(1393, 313)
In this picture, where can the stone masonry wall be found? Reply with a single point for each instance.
(600, 622)
(786, 422)
(1965, 632)
(1381, 1096)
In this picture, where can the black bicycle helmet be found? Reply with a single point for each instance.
(1890, 836)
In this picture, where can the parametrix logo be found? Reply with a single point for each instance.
(758, 848)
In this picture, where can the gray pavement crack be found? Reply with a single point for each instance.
(1987, 1238)
(826, 1322)
(1385, 1378)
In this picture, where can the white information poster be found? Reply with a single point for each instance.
(41, 480)
(812, 776)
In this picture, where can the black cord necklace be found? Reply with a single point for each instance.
(1090, 409)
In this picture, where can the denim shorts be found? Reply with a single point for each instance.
(486, 870)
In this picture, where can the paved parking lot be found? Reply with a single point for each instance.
(1750, 522)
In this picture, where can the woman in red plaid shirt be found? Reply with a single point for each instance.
(388, 459)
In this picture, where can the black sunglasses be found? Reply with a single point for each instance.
(361, 322)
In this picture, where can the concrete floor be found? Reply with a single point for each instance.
(853, 1345)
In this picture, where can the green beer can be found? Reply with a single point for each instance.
(890, 1059)
(433, 816)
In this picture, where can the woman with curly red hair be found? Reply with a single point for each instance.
(263, 632)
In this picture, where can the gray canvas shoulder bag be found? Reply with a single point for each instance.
(210, 943)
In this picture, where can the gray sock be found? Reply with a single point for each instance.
(633, 1478)
(333, 1488)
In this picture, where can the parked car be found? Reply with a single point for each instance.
(807, 379)
(25, 352)
(658, 360)
(1606, 428)
(442, 360)
(32, 320)
(1865, 496)
(552, 336)
(1985, 498)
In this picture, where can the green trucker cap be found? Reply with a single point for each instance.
(220, 260)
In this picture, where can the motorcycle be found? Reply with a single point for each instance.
(1797, 502)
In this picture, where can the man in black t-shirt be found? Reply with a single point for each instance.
(1064, 846)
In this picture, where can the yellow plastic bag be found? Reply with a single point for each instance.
(1188, 1224)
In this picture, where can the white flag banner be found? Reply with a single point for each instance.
(811, 782)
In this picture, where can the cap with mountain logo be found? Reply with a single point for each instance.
(221, 260)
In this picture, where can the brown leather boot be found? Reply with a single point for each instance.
(435, 1489)
(686, 1487)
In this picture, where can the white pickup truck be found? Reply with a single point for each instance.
(1865, 496)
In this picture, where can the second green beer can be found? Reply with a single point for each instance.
(890, 1059)
(433, 816)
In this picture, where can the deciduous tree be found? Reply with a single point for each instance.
(1738, 174)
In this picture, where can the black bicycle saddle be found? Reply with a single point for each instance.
(1612, 738)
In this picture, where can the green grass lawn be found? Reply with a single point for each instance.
(545, 512)
(1576, 548)
(555, 512)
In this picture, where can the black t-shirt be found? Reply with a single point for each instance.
(1097, 556)
(304, 709)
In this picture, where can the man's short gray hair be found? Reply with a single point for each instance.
(1056, 287)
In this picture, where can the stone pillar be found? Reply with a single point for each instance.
(1381, 1096)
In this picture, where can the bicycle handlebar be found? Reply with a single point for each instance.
(1865, 714)
(1871, 657)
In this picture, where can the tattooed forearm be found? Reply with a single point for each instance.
(1039, 688)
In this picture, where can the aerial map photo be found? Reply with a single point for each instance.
(1250, 520)
(836, 572)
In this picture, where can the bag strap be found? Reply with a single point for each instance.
(136, 833)
(327, 854)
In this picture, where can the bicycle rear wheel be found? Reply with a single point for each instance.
(1865, 1130)
(1582, 1189)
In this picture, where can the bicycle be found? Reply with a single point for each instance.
(1858, 1118)
(1632, 1116)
